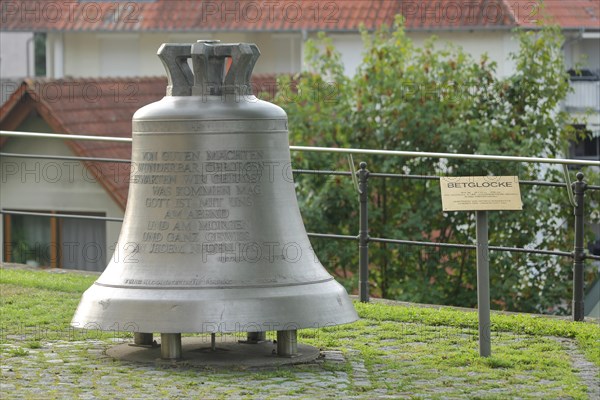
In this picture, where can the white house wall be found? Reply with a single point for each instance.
(82, 58)
(120, 54)
(125, 55)
(58, 185)
(498, 46)
(16, 55)
(351, 49)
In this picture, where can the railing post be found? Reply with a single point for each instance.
(579, 189)
(363, 233)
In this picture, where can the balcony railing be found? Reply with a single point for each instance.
(585, 96)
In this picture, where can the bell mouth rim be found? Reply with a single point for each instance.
(172, 311)
(236, 287)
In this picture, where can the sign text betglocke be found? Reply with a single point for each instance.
(480, 193)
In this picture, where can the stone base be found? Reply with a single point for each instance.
(229, 353)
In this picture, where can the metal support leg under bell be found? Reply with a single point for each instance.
(287, 343)
(170, 346)
(143, 339)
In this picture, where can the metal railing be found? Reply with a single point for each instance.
(576, 194)
(585, 95)
(479, 157)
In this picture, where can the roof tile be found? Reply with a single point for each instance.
(288, 15)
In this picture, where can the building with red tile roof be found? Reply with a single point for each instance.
(95, 107)
(91, 39)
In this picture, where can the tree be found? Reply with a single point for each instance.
(435, 99)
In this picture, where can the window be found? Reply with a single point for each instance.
(83, 244)
(588, 148)
(583, 75)
(55, 242)
(28, 240)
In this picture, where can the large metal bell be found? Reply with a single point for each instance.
(213, 240)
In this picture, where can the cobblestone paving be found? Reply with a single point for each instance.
(81, 370)
(587, 371)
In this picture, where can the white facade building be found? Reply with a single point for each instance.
(16, 55)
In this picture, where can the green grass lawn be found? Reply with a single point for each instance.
(412, 349)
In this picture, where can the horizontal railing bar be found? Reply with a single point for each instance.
(65, 136)
(435, 177)
(321, 172)
(415, 154)
(328, 235)
(426, 244)
(453, 245)
(472, 247)
(332, 236)
(554, 184)
(480, 157)
(68, 158)
(74, 216)
(387, 175)
(532, 251)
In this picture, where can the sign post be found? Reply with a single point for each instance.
(481, 194)
(483, 284)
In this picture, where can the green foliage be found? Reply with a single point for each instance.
(63, 282)
(40, 304)
(436, 98)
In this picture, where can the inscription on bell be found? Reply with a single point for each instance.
(194, 191)
(234, 155)
(199, 201)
